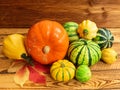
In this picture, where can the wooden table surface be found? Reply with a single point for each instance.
(18, 16)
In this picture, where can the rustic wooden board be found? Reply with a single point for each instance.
(104, 76)
(23, 13)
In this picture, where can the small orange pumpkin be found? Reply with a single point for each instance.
(47, 41)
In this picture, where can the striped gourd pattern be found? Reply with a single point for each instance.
(71, 28)
(104, 38)
(83, 51)
(62, 70)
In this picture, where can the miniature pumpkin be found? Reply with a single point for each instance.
(62, 70)
(104, 38)
(85, 52)
(47, 41)
(13, 46)
(87, 29)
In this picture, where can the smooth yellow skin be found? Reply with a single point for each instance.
(109, 55)
(57, 71)
(13, 46)
(90, 27)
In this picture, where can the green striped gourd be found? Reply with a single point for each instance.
(71, 28)
(104, 38)
(84, 52)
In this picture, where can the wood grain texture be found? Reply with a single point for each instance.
(104, 76)
(24, 13)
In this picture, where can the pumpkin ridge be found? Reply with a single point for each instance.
(57, 74)
(55, 69)
(62, 74)
(90, 59)
(96, 55)
(96, 50)
(79, 55)
(70, 50)
(83, 58)
(68, 73)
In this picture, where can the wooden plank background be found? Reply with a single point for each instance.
(16, 16)
(23, 13)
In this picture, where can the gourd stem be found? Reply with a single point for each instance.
(85, 32)
(28, 59)
(62, 65)
(85, 42)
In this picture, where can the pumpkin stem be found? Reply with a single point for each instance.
(46, 49)
(27, 59)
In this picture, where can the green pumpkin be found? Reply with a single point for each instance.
(104, 38)
(84, 52)
(71, 28)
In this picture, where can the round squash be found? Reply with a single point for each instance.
(13, 46)
(71, 28)
(87, 29)
(47, 41)
(62, 70)
(84, 52)
(104, 38)
(83, 73)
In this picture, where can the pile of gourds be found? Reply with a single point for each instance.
(70, 48)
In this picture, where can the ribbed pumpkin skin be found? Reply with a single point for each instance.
(84, 52)
(62, 70)
(71, 28)
(104, 38)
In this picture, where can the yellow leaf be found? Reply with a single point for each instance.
(21, 76)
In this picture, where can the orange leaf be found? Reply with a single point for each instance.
(22, 76)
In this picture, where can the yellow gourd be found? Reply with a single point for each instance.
(109, 55)
(13, 46)
(62, 70)
(87, 29)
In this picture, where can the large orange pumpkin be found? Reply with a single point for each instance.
(47, 41)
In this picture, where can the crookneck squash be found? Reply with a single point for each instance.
(84, 52)
(47, 41)
(62, 70)
(13, 46)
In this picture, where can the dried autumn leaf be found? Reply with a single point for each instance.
(16, 65)
(27, 72)
(21, 76)
(42, 68)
